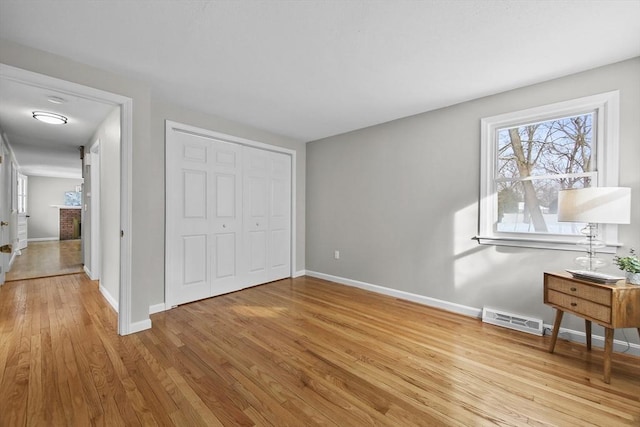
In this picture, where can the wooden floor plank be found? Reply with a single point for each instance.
(293, 352)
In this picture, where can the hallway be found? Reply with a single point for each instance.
(48, 258)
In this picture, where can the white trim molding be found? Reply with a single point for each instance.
(110, 299)
(88, 273)
(139, 326)
(299, 273)
(157, 308)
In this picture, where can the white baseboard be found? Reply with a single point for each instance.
(110, 299)
(299, 273)
(598, 340)
(157, 308)
(13, 258)
(89, 273)
(139, 326)
(569, 334)
(420, 299)
(42, 239)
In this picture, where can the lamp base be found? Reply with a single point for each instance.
(590, 261)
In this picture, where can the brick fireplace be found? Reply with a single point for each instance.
(70, 226)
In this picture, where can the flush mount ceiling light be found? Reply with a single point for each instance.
(51, 118)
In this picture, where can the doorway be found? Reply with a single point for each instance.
(120, 237)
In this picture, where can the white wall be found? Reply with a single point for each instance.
(108, 134)
(400, 201)
(42, 192)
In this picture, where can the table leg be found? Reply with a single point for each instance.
(556, 329)
(587, 331)
(608, 346)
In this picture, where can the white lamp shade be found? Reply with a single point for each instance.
(601, 205)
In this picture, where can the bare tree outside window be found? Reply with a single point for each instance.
(534, 162)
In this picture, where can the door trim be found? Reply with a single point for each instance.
(205, 133)
(126, 137)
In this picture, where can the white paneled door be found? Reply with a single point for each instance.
(267, 214)
(228, 216)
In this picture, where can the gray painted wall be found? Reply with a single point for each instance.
(42, 192)
(400, 201)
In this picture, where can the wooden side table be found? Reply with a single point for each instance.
(609, 305)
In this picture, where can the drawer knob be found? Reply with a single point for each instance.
(573, 304)
(573, 289)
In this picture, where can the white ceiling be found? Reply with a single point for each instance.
(312, 69)
(43, 149)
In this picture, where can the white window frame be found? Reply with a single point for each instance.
(607, 125)
(22, 193)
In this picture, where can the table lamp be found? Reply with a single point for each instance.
(594, 205)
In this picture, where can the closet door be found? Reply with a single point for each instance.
(188, 220)
(204, 217)
(267, 215)
(279, 249)
(226, 240)
(228, 214)
(255, 215)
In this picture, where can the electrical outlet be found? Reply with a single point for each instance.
(336, 254)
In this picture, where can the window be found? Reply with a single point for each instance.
(22, 193)
(528, 156)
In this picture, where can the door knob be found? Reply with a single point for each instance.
(4, 223)
(6, 249)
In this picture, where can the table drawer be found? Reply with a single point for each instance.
(580, 306)
(580, 290)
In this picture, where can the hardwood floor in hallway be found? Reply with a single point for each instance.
(296, 352)
(48, 258)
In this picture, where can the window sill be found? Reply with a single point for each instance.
(561, 245)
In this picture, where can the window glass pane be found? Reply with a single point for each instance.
(558, 146)
(532, 206)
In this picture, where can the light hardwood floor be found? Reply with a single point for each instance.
(294, 352)
(49, 258)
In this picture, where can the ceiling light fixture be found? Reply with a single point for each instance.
(51, 118)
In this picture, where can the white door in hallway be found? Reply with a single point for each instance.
(228, 217)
